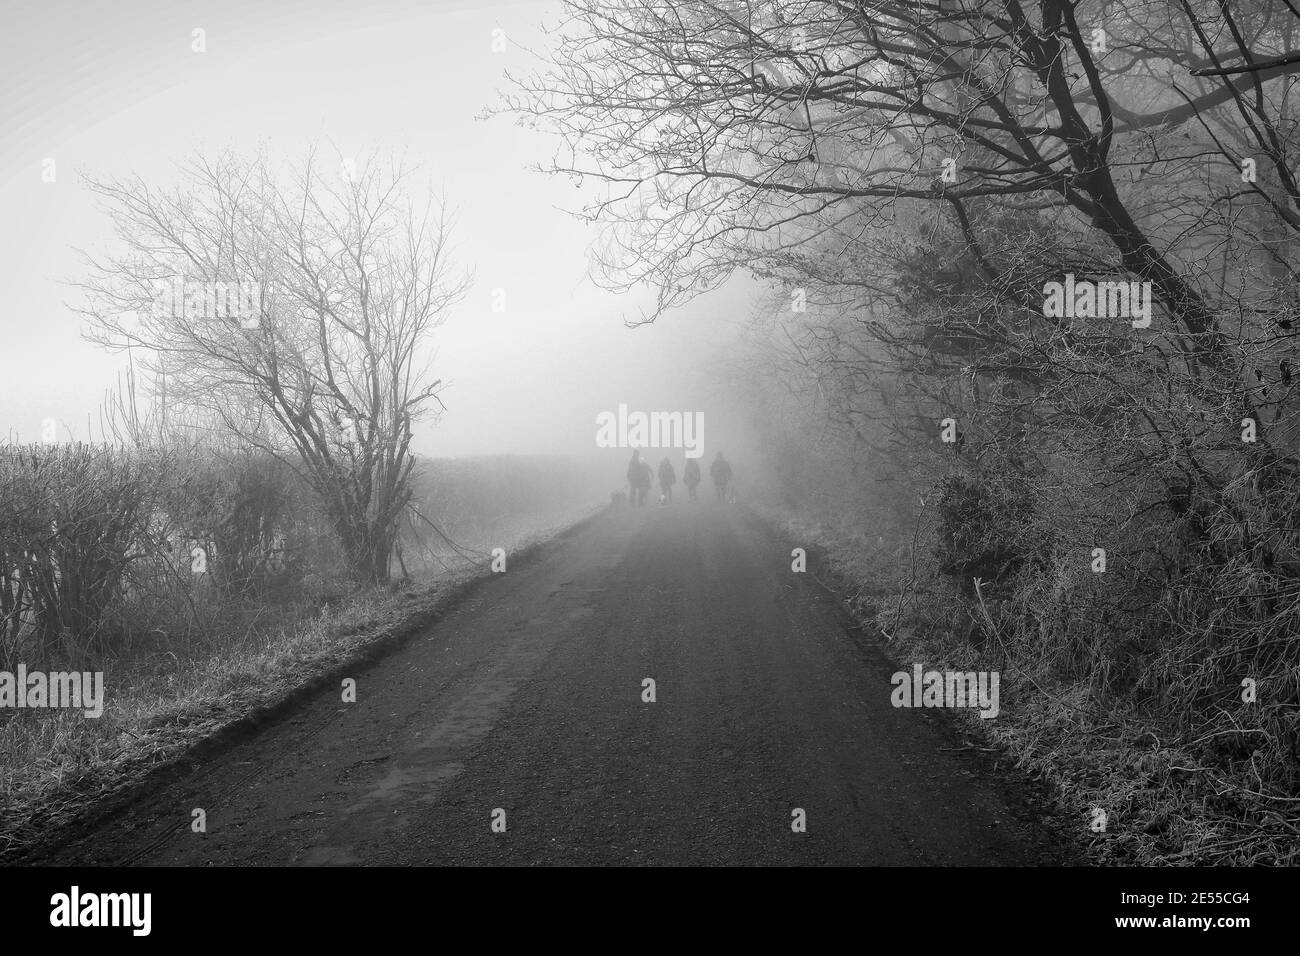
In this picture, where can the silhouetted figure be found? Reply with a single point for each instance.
(720, 472)
(667, 478)
(639, 477)
(691, 476)
(647, 479)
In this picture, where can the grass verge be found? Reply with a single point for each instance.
(1168, 800)
(62, 772)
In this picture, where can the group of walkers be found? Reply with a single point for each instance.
(640, 477)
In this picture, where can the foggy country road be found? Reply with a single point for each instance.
(527, 696)
(558, 434)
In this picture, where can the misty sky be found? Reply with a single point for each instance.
(115, 88)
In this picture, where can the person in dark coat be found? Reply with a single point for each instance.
(667, 478)
(720, 472)
(691, 476)
(647, 479)
(638, 479)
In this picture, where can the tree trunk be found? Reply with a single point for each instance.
(368, 550)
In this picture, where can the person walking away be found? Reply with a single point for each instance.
(691, 476)
(667, 478)
(720, 472)
(647, 479)
(635, 476)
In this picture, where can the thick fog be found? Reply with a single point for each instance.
(528, 359)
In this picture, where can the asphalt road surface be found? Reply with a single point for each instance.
(528, 698)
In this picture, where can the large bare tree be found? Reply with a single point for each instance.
(920, 168)
(295, 308)
(726, 128)
(911, 174)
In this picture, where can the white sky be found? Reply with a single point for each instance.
(114, 88)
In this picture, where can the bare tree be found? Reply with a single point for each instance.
(921, 167)
(727, 129)
(295, 311)
(909, 175)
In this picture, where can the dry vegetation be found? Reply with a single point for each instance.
(908, 177)
(98, 545)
